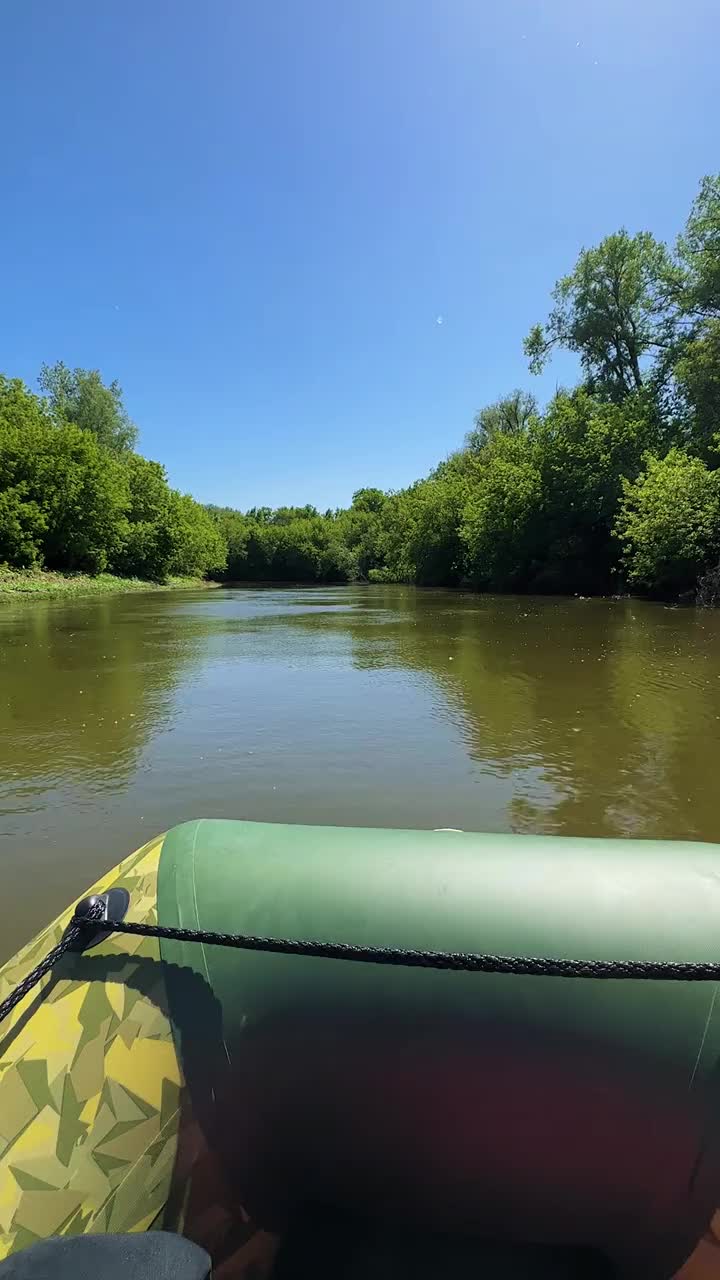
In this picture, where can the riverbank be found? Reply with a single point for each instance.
(45, 584)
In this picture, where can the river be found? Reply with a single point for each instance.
(373, 706)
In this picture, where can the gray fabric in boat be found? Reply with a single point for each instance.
(153, 1255)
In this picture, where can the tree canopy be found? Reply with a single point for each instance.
(669, 522)
(79, 396)
(612, 485)
(615, 309)
(699, 252)
(68, 501)
(509, 416)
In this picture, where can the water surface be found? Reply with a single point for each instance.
(376, 706)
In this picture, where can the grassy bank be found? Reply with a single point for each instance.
(44, 584)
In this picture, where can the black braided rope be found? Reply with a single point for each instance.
(70, 941)
(31, 980)
(454, 961)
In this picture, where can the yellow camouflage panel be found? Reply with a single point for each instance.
(89, 1081)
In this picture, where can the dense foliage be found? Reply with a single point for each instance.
(76, 499)
(80, 396)
(615, 484)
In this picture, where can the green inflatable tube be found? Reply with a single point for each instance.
(557, 1111)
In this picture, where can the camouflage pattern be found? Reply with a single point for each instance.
(96, 1128)
(89, 1082)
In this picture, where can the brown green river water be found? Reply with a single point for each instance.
(374, 706)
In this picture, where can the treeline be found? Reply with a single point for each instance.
(615, 484)
(75, 496)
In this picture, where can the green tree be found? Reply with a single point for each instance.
(397, 540)
(308, 549)
(338, 563)
(615, 309)
(370, 500)
(302, 546)
(510, 416)
(22, 527)
(435, 545)
(19, 407)
(198, 545)
(84, 493)
(418, 538)
(287, 515)
(584, 448)
(23, 523)
(501, 515)
(669, 523)
(234, 529)
(695, 357)
(697, 374)
(699, 252)
(360, 530)
(63, 497)
(148, 545)
(79, 396)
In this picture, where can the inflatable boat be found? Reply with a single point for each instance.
(294, 1115)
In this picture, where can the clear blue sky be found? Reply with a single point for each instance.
(254, 213)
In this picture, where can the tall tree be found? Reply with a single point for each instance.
(509, 416)
(80, 396)
(697, 379)
(62, 497)
(369, 499)
(584, 448)
(24, 428)
(616, 308)
(695, 357)
(699, 251)
(501, 514)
